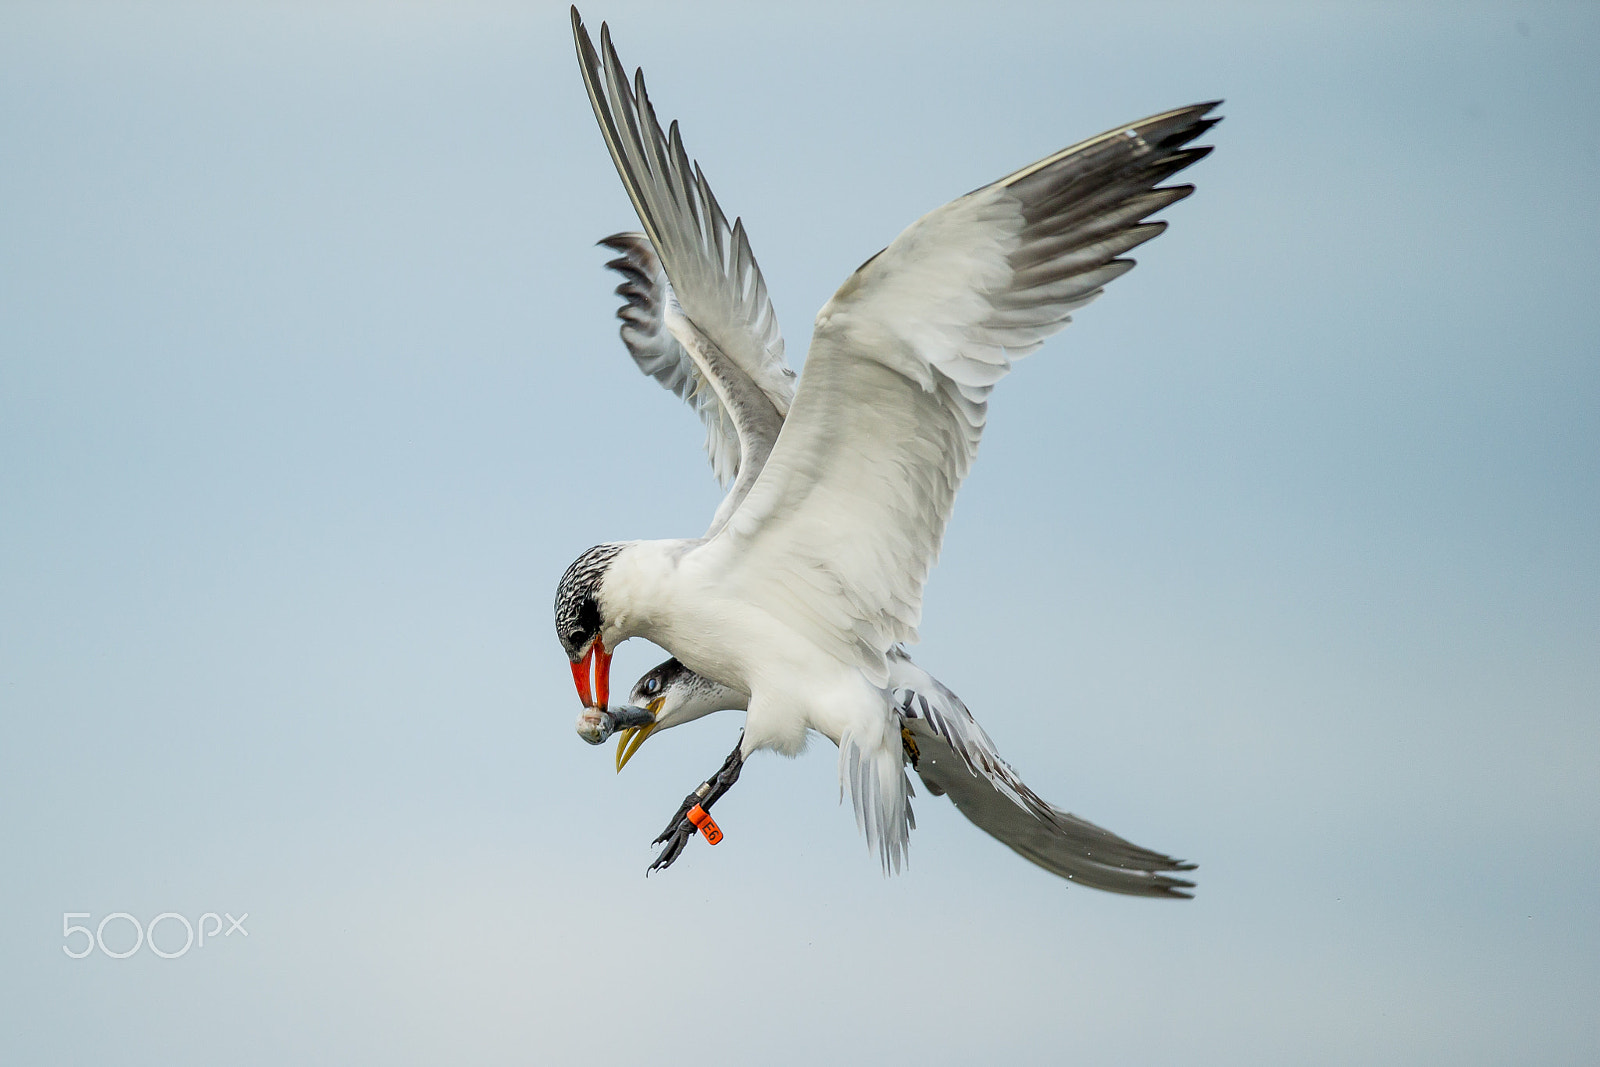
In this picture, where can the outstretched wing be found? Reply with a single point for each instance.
(956, 758)
(646, 294)
(847, 516)
(715, 308)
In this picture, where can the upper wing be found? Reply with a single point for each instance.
(956, 758)
(847, 517)
(715, 308)
(646, 294)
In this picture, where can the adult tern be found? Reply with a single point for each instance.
(812, 569)
(944, 744)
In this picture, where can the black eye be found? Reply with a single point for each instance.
(652, 685)
(575, 638)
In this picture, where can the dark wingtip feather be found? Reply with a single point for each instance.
(1174, 888)
(1180, 192)
(1159, 172)
(1176, 140)
(635, 279)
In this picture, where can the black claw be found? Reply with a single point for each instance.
(678, 832)
(679, 840)
(680, 817)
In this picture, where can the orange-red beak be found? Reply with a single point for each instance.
(596, 665)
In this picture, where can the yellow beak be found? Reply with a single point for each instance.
(629, 740)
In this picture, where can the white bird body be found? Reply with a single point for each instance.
(813, 567)
(668, 593)
(665, 592)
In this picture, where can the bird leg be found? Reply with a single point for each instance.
(692, 813)
(909, 743)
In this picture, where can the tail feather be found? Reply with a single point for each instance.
(880, 793)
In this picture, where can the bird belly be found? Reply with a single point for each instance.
(794, 686)
(824, 695)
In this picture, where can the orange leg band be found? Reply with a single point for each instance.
(708, 826)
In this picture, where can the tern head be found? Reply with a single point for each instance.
(673, 695)
(581, 625)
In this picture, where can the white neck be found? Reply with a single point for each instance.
(640, 593)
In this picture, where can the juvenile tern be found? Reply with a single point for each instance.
(842, 482)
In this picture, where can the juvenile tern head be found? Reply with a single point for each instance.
(673, 695)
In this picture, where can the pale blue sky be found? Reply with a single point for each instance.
(1284, 558)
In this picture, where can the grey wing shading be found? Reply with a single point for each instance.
(716, 308)
(955, 758)
(646, 293)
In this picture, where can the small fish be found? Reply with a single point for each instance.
(594, 726)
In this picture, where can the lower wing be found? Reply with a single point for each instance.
(957, 759)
